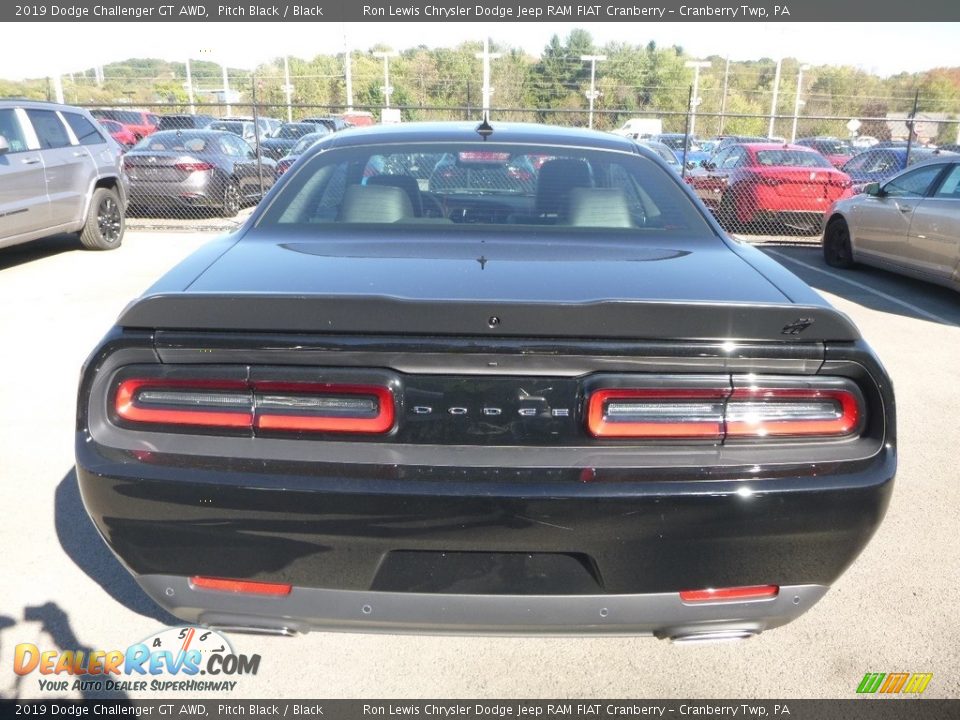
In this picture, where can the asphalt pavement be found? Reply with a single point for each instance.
(895, 609)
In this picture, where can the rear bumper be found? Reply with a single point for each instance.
(663, 615)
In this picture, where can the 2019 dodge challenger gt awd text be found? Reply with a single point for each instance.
(494, 379)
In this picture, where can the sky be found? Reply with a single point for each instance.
(882, 48)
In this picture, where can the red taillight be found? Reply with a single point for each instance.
(295, 407)
(208, 403)
(796, 412)
(731, 594)
(194, 166)
(656, 413)
(323, 408)
(740, 412)
(249, 587)
(283, 166)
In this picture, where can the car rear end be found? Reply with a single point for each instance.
(404, 427)
(186, 175)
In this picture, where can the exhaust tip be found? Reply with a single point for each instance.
(713, 637)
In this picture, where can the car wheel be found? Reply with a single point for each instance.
(837, 251)
(105, 221)
(231, 200)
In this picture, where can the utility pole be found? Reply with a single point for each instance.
(226, 88)
(387, 90)
(776, 92)
(193, 107)
(695, 100)
(486, 56)
(58, 88)
(797, 102)
(287, 87)
(593, 94)
(348, 77)
(723, 98)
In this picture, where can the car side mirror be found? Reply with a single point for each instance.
(4, 145)
(873, 189)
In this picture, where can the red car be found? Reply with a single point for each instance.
(750, 182)
(118, 132)
(140, 122)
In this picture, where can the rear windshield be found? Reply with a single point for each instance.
(476, 184)
(831, 147)
(791, 158)
(304, 143)
(173, 140)
(292, 131)
(231, 127)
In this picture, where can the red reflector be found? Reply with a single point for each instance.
(185, 402)
(656, 413)
(732, 594)
(323, 408)
(240, 586)
(194, 166)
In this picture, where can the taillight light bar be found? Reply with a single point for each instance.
(272, 406)
(656, 413)
(719, 414)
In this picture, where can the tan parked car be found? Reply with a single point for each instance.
(909, 224)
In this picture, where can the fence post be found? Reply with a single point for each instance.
(911, 123)
(686, 132)
(256, 128)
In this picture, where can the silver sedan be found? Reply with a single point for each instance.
(909, 224)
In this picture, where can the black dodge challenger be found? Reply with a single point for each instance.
(494, 379)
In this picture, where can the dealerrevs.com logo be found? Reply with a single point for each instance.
(185, 659)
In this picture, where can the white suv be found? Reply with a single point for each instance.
(60, 172)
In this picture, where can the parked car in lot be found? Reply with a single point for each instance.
(175, 169)
(60, 172)
(575, 407)
(837, 151)
(184, 122)
(909, 224)
(334, 123)
(287, 136)
(140, 122)
(303, 144)
(241, 128)
(880, 164)
(786, 184)
(666, 153)
(640, 128)
(118, 132)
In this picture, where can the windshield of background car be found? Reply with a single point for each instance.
(791, 158)
(173, 140)
(485, 184)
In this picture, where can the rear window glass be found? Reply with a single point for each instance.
(485, 184)
(10, 130)
(86, 133)
(791, 158)
(50, 131)
(172, 140)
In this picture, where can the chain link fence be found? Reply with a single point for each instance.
(205, 165)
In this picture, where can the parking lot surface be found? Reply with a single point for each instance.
(895, 610)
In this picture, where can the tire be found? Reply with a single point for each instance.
(837, 250)
(231, 200)
(105, 221)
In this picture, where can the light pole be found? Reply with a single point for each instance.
(695, 100)
(593, 94)
(776, 93)
(486, 56)
(193, 108)
(287, 87)
(347, 72)
(797, 102)
(387, 90)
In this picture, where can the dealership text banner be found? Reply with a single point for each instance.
(480, 11)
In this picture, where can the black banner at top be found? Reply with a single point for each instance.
(480, 11)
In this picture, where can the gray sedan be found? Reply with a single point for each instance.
(197, 169)
(909, 224)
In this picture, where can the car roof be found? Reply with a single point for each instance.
(37, 104)
(776, 146)
(503, 132)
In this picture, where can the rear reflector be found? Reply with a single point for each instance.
(719, 414)
(295, 407)
(249, 587)
(731, 594)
